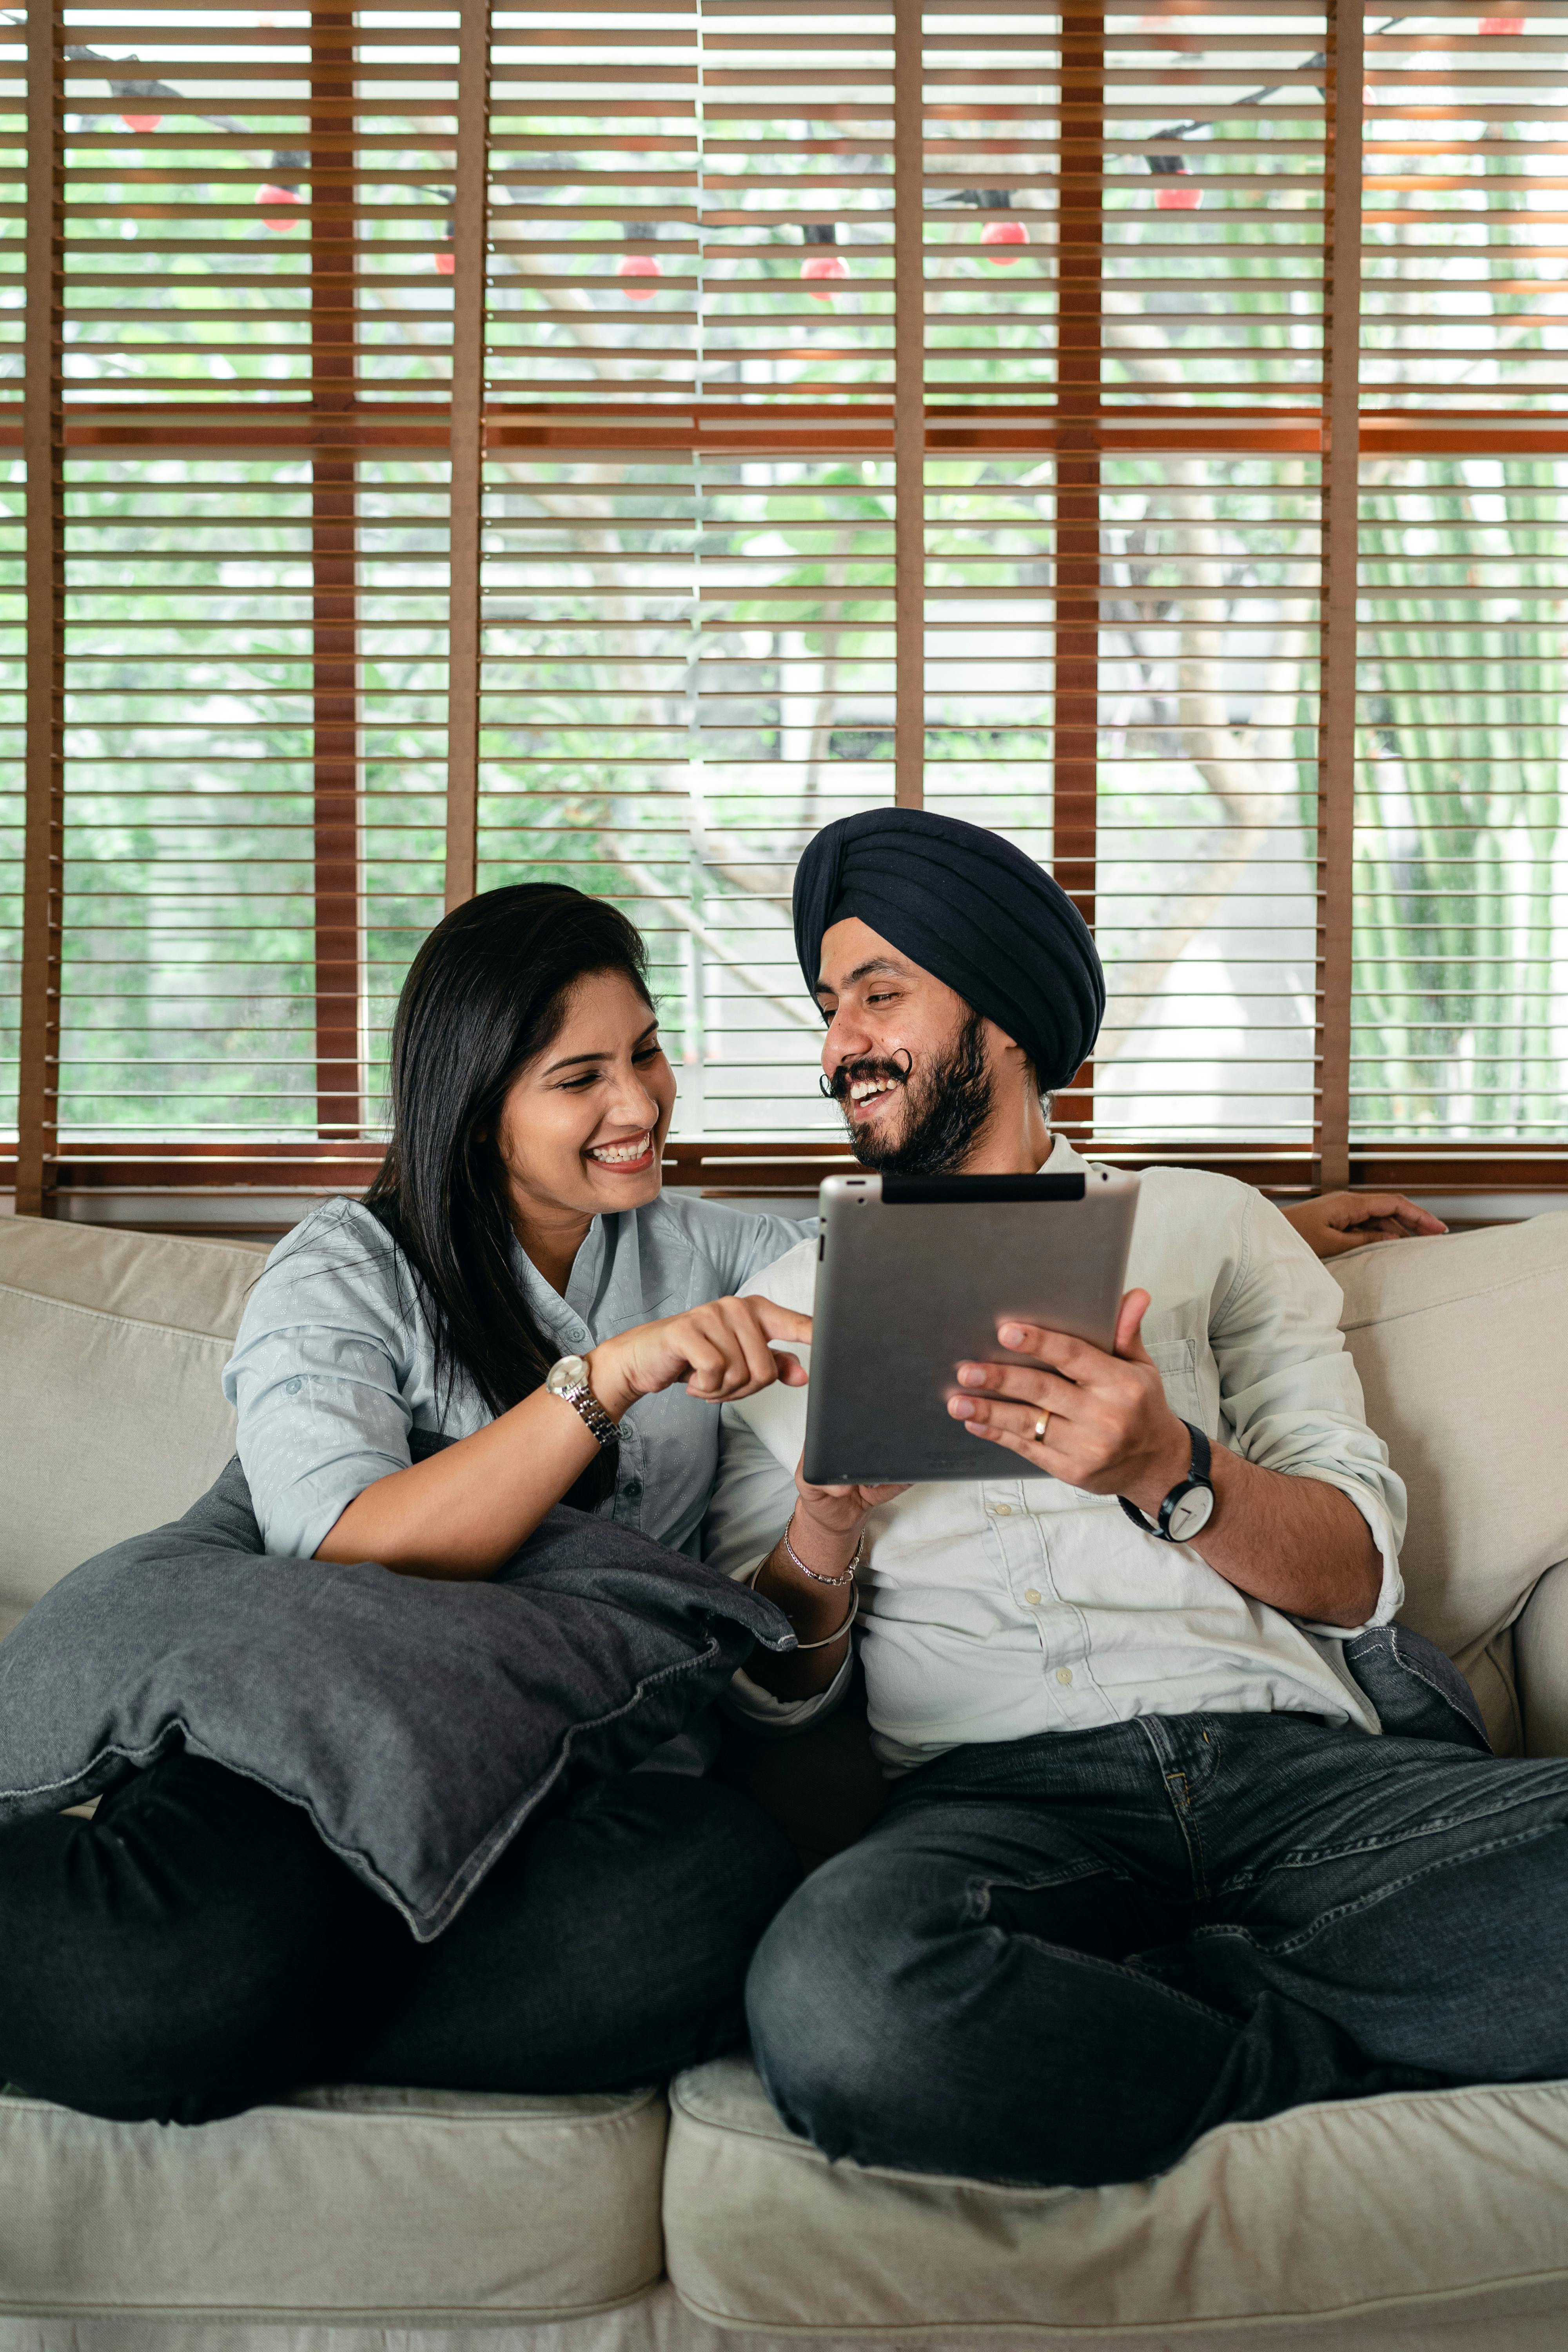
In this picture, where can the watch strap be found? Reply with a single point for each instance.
(1199, 1474)
(585, 1404)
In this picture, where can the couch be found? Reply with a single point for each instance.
(666, 2220)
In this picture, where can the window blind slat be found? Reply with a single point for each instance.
(1461, 899)
(857, 400)
(261, 219)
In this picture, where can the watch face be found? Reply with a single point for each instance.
(571, 1372)
(1190, 1515)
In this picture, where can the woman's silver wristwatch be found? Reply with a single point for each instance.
(568, 1379)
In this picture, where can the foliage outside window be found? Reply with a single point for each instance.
(692, 640)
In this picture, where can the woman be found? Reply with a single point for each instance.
(515, 1282)
(196, 1948)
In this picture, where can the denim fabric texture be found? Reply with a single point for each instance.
(194, 1949)
(1417, 1691)
(419, 1722)
(1061, 1960)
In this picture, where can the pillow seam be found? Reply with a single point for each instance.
(107, 1314)
(1438, 1306)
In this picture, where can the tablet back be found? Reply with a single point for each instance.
(913, 1276)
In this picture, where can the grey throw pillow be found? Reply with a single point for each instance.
(419, 1722)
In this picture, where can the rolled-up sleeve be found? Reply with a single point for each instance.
(316, 1380)
(1291, 1390)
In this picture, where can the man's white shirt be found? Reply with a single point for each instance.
(1006, 1607)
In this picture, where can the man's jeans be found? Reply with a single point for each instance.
(1061, 1960)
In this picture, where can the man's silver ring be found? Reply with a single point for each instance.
(1040, 1428)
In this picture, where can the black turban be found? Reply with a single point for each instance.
(970, 908)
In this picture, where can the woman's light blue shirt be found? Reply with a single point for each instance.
(334, 1363)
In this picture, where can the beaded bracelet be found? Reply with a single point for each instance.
(797, 1561)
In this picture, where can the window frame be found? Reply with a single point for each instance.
(257, 1185)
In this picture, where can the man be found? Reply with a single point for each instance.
(1148, 1865)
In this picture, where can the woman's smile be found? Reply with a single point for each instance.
(633, 1155)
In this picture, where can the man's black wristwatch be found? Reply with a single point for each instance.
(1189, 1507)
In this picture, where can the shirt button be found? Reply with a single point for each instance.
(1003, 1510)
(292, 1388)
(1032, 1597)
(632, 1490)
(1064, 1674)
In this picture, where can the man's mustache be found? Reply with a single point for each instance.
(848, 1074)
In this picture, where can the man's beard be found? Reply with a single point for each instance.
(944, 1112)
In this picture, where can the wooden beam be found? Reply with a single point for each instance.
(781, 428)
(1075, 764)
(43, 866)
(909, 405)
(463, 642)
(1337, 637)
(334, 531)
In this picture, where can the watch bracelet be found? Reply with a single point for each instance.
(588, 1409)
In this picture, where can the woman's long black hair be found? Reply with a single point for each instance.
(487, 991)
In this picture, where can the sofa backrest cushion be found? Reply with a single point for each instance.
(1460, 1345)
(112, 1347)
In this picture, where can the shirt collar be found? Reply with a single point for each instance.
(1062, 1160)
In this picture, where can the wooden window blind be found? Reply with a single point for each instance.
(12, 551)
(465, 445)
(1458, 1007)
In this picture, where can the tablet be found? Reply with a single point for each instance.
(913, 1276)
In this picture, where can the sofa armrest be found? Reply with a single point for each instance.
(1540, 1658)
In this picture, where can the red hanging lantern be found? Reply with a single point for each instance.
(1503, 26)
(133, 90)
(1000, 235)
(283, 192)
(1168, 197)
(822, 271)
(997, 236)
(823, 267)
(635, 266)
(269, 193)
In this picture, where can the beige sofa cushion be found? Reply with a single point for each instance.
(112, 1347)
(1541, 1639)
(393, 2206)
(1412, 2203)
(1460, 1347)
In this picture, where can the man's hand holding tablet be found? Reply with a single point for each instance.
(1097, 1421)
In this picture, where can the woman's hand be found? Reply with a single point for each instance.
(1336, 1222)
(467, 1508)
(830, 1520)
(720, 1350)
